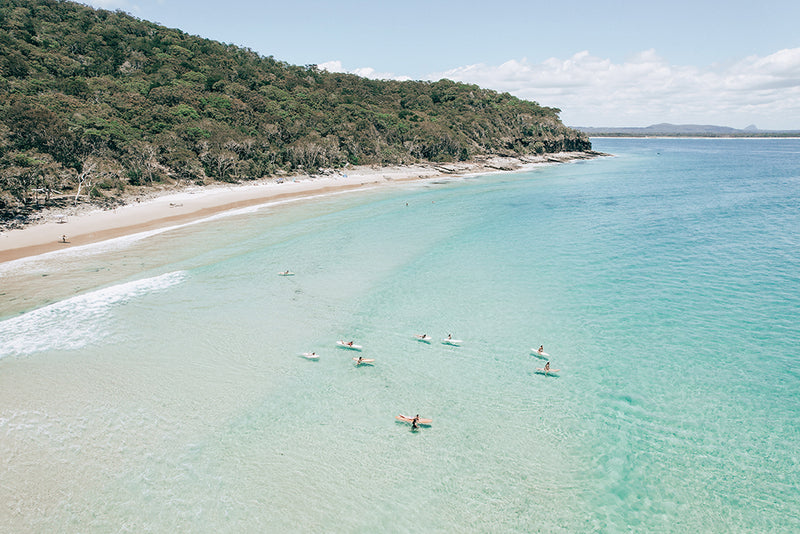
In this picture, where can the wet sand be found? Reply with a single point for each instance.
(81, 226)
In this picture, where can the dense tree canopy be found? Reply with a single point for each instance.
(102, 99)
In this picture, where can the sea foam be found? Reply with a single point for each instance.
(75, 322)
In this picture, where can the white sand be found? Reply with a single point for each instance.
(166, 209)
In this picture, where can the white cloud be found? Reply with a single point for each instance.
(107, 4)
(646, 89)
(366, 72)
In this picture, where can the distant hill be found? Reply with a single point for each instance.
(99, 102)
(701, 130)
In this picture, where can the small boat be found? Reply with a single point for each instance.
(286, 273)
(349, 345)
(407, 419)
(310, 355)
(363, 360)
(425, 338)
(451, 341)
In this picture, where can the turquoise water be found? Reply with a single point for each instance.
(156, 383)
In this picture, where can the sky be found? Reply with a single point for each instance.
(602, 63)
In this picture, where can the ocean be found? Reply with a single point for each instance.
(156, 383)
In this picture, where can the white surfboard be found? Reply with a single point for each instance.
(349, 345)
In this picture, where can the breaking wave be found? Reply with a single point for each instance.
(76, 321)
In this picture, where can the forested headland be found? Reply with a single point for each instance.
(95, 103)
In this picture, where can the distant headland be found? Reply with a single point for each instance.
(683, 130)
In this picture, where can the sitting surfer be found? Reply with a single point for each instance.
(349, 343)
(360, 360)
(414, 422)
(449, 336)
(546, 367)
(541, 349)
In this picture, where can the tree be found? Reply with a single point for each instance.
(85, 178)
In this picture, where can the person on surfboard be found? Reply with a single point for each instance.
(414, 422)
(541, 349)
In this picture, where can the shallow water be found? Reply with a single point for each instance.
(157, 384)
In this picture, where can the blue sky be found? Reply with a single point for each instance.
(613, 63)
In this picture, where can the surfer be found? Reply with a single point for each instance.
(541, 349)
(449, 336)
(349, 343)
(414, 422)
(360, 360)
(64, 238)
(546, 367)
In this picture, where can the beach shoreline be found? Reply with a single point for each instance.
(60, 228)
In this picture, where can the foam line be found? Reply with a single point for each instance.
(116, 243)
(77, 321)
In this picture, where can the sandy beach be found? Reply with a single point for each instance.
(59, 228)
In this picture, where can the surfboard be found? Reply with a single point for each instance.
(536, 351)
(425, 339)
(286, 273)
(348, 346)
(310, 355)
(454, 342)
(548, 371)
(408, 419)
(364, 360)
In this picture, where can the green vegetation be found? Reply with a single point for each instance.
(94, 103)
